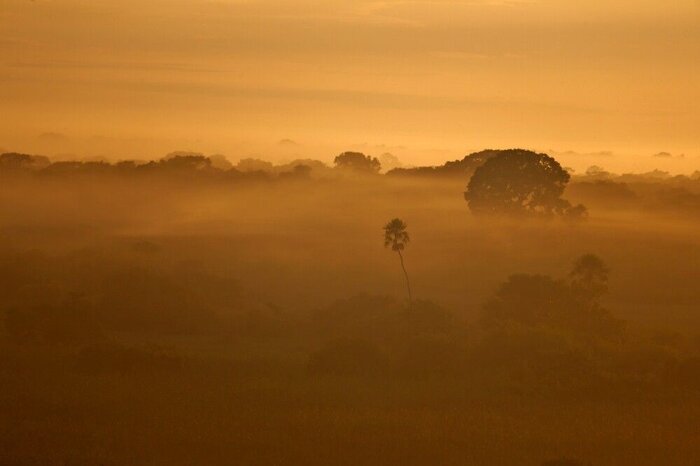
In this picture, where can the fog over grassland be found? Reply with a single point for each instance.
(495, 309)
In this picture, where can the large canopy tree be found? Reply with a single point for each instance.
(519, 181)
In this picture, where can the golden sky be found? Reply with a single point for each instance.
(612, 81)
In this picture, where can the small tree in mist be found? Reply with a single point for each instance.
(396, 237)
(570, 304)
(589, 277)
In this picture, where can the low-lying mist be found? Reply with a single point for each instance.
(182, 313)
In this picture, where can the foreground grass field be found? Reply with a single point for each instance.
(206, 412)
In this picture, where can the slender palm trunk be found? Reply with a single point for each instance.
(408, 284)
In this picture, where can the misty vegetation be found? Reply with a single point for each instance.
(516, 182)
(192, 310)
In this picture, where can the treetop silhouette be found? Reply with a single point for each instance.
(396, 237)
(517, 182)
(358, 162)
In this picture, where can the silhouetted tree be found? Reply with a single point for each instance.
(454, 168)
(594, 171)
(220, 162)
(69, 322)
(13, 160)
(348, 357)
(607, 193)
(589, 277)
(519, 182)
(529, 300)
(389, 161)
(396, 236)
(358, 161)
(298, 172)
(16, 161)
(562, 462)
(109, 357)
(313, 165)
(255, 165)
(186, 162)
(570, 305)
(72, 168)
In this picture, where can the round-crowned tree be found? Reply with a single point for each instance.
(519, 181)
(358, 162)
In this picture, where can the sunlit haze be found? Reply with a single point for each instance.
(599, 82)
(350, 233)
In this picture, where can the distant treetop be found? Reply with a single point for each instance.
(358, 162)
(16, 161)
(463, 168)
(516, 182)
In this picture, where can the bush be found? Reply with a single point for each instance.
(113, 358)
(432, 356)
(562, 462)
(347, 357)
(68, 324)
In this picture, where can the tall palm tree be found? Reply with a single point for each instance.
(396, 236)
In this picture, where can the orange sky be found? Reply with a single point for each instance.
(613, 81)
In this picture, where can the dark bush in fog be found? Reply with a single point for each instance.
(532, 357)
(564, 462)
(460, 169)
(588, 278)
(298, 172)
(570, 305)
(603, 193)
(259, 320)
(69, 168)
(12, 161)
(70, 323)
(168, 301)
(687, 372)
(145, 247)
(185, 162)
(422, 340)
(348, 357)
(358, 315)
(105, 358)
(679, 199)
(537, 300)
(432, 355)
(383, 318)
(254, 165)
(138, 292)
